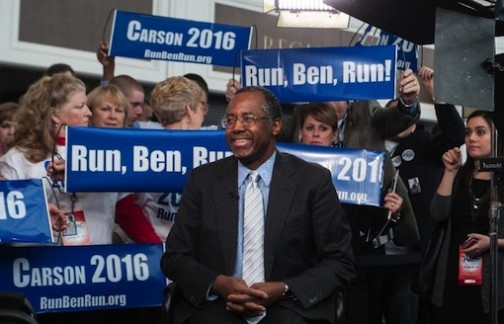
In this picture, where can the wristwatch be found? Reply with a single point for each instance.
(287, 293)
(286, 289)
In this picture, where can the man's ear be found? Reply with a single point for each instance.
(277, 126)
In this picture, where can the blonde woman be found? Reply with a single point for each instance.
(110, 109)
(178, 103)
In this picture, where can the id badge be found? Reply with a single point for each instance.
(76, 232)
(470, 269)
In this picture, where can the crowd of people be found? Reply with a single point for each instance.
(274, 208)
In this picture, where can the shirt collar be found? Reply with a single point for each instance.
(265, 171)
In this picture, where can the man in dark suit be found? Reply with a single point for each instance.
(307, 241)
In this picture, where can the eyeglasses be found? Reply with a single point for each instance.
(247, 120)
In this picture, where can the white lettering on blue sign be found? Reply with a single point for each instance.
(110, 268)
(313, 74)
(403, 65)
(404, 45)
(66, 302)
(26, 276)
(136, 33)
(84, 159)
(360, 72)
(157, 160)
(12, 206)
(264, 77)
(180, 56)
(358, 198)
(358, 170)
(207, 38)
(202, 155)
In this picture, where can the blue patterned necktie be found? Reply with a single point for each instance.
(253, 232)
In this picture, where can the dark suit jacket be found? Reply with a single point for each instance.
(307, 235)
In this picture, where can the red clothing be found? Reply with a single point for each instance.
(133, 221)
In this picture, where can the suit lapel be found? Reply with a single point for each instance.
(282, 188)
(225, 193)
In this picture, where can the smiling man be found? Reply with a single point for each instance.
(303, 255)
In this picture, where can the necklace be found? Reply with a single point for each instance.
(478, 194)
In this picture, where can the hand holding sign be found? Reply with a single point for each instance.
(231, 87)
(58, 221)
(56, 170)
(426, 75)
(409, 87)
(108, 62)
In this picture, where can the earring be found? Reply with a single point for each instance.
(300, 139)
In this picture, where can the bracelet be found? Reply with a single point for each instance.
(408, 106)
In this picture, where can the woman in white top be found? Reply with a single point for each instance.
(109, 107)
(49, 105)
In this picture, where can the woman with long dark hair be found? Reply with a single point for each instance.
(461, 288)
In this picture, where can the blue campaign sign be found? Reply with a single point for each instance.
(24, 215)
(323, 74)
(81, 278)
(171, 39)
(357, 174)
(407, 57)
(139, 160)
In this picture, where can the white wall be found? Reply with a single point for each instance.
(39, 56)
(31, 55)
(14, 52)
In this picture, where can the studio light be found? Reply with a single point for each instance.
(306, 14)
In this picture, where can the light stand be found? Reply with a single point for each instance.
(495, 166)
